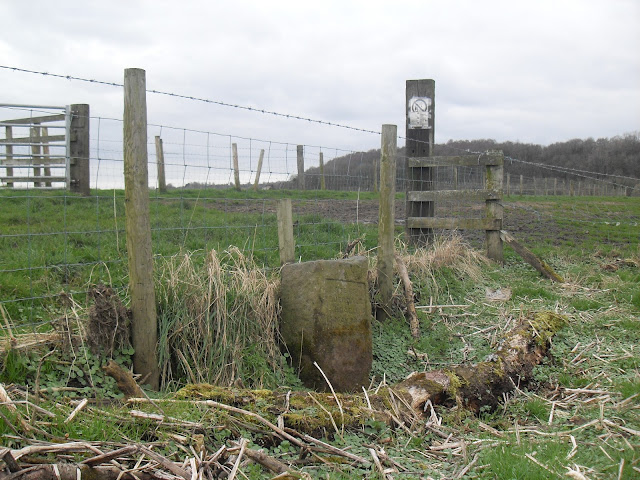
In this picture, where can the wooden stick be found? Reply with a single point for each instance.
(124, 379)
(4, 398)
(77, 410)
(5, 454)
(234, 470)
(408, 293)
(166, 463)
(530, 257)
(266, 461)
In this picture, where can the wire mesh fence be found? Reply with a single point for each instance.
(55, 244)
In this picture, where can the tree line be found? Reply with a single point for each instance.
(570, 160)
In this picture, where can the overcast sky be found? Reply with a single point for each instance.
(530, 71)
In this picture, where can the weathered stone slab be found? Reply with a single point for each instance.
(326, 318)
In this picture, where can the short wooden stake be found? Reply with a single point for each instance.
(162, 183)
(386, 216)
(257, 181)
(323, 186)
(530, 257)
(236, 168)
(300, 161)
(138, 228)
(286, 244)
(79, 146)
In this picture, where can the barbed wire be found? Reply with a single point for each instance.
(198, 99)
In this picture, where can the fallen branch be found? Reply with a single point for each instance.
(414, 324)
(530, 257)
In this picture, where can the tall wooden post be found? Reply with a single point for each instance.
(236, 168)
(494, 209)
(508, 184)
(555, 186)
(323, 185)
(375, 175)
(138, 228)
(521, 185)
(46, 153)
(34, 139)
(386, 217)
(286, 244)
(9, 152)
(162, 181)
(257, 181)
(300, 161)
(420, 126)
(79, 168)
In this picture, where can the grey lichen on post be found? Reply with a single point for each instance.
(79, 168)
(162, 182)
(236, 168)
(300, 160)
(386, 218)
(286, 242)
(138, 228)
(258, 171)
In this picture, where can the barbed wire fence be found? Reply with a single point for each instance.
(55, 244)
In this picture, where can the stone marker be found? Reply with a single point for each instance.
(326, 318)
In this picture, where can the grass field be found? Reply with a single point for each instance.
(578, 418)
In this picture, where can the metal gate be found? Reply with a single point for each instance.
(35, 146)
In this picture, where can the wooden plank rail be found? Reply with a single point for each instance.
(33, 178)
(25, 141)
(34, 120)
(455, 223)
(435, 195)
(482, 160)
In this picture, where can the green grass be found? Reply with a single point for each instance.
(596, 352)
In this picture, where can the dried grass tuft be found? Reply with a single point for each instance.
(217, 320)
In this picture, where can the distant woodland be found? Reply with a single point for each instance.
(570, 160)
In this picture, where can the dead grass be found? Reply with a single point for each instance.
(218, 320)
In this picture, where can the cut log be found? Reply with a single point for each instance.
(530, 257)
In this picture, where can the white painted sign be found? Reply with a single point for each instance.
(419, 112)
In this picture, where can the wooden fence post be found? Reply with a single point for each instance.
(9, 153)
(46, 153)
(162, 181)
(323, 185)
(34, 139)
(79, 167)
(521, 185)
(260, 160)
(508, 184)
(138, 228)
(286, 243)
(300, 159)
(236, 168)
(493, 208)
(420, 126)
(555, 186)
(386, 216)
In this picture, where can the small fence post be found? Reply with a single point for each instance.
(34, 139)
(300, 158)
(46, 153)
(260, 160)
(79, 169)
(9, 153)
(508, 184)
(286, 244)
(236, 168)
(555, 186)
(493, 208)
(162, 182)
(138, 228)
(323, 186)
(521, 184)
(386, 216)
